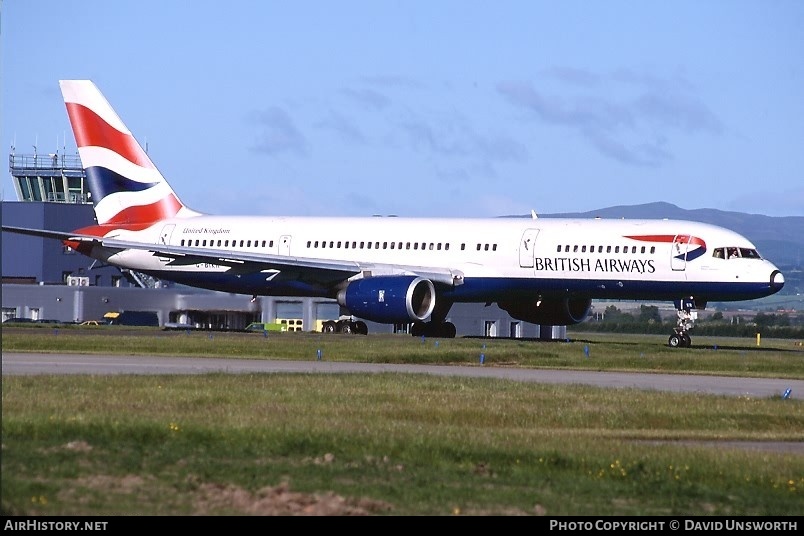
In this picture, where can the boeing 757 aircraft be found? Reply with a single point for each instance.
(391, 269)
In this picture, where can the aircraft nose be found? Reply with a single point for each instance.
(776, 280)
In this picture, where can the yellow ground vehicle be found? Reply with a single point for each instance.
(281, 324)
(263, 326)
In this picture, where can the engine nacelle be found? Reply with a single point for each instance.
(560, 312)
(389, 299)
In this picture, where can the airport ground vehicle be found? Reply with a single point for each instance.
(15, 320)
(263, 326)
(132, 318)
(280, 325)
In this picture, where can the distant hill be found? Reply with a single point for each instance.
(780, 239)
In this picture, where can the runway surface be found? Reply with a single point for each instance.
(32, 363)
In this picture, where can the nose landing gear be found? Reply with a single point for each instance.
(686, 321)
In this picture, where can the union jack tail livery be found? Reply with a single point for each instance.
(127, 190)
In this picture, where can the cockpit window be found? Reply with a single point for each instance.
(735, 253)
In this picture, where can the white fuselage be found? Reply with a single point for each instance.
(607, 258)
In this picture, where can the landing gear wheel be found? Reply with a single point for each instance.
(417, 329)
(328, 327)
(347, 327)
(361, 328)
(679, 340)
(445, 330)
(448, 330)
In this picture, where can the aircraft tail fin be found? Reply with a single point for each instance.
(126, 188)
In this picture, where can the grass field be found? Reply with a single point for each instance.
(397, 444)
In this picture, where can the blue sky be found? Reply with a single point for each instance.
(429, 108)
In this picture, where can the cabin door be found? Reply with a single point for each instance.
(527, 248)
(167, 231)
(678, 255)
(284, 245)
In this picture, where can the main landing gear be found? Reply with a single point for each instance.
(437, 326)
(343, 325)
(444, 330)
(686, 321)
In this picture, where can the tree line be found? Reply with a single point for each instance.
(648, 320)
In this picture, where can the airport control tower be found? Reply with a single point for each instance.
(50, 177)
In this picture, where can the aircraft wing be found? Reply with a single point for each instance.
(58, 235)
(323, 271)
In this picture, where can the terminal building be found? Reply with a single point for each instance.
(44, 280)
